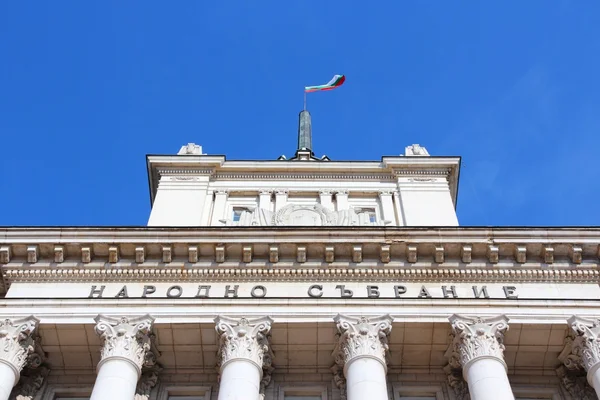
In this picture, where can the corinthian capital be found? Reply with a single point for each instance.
(246, 339)
(583, 345)
(361, 337)
(125, 338)
(475, 338)
(16, 343)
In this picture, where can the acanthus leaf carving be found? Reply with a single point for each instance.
(457, 383)
(147, 382)
(585, 345)
(359, 337)
(125, 337)
(475, 337)
(30, 383)
(247, 339)
(574, 382)
(16, 342)
(339, 380)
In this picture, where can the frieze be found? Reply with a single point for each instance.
(287, 289)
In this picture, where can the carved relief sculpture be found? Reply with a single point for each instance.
(303, 215)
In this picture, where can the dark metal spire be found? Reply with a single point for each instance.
(304, 131)
(304, 151)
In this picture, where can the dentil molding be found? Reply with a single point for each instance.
(16, 342)
(125, 338)
(474, 338)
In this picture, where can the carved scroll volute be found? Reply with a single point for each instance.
(125, 338)
(361, 337)
(16, 342)
(244, 338)
(582, 346)
(475, 338)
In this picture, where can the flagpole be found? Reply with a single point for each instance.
(305, 100)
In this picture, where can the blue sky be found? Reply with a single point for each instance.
(87, 89)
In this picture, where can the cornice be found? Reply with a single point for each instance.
(303, 176)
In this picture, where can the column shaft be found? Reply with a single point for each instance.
(360, 354)
(478, 349)
(7, 380)
(366, 379)
(487, 380)
(244, 357)
(126, 349)
(240, 380)
(594, 380)
(116, 380)
(16, 344)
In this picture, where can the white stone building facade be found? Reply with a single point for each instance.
(300, 279)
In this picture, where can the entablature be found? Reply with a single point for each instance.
(296, 253)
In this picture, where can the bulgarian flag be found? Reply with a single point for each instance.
(335, 82)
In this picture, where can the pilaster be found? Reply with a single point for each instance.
(341, 199)
(281, 196)
(219, 207)
(264, 199)
(326, 198)
(126, 339)
(387, 206)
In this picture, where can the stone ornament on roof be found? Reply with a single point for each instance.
(415, 150)
(190, 149)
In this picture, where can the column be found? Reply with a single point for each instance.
(341, 198)
(126, 347)
(325, 198)
(584, 351)
(281, 196)
(387, 206)
(264, 199)
(16, 344)
(360, 355)
(478, 348)
(219, 206)
(244, 357)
